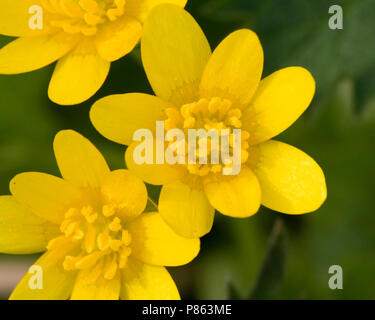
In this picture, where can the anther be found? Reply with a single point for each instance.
(91, 218)
(86, 211)
(108, 210)
(115, 225)
(70, 213)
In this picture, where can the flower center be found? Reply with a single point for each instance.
(104, 244)
(215, 114)
(82, 16)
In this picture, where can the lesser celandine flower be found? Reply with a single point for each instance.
(197, 89)
(85, 36)
(99, 243)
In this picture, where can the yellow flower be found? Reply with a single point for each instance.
(99, 245)
(85, 36)
(197, 89)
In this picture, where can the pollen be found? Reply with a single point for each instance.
(209, 114)
(82, 16)
(103, 244)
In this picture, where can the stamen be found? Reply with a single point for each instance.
(71, 228)
(93, 19)
(71, 212)
(115, 225)
(82, 16)
(69, 28)
(90, 239)
(71, 8)
(113, 14)
(120, 3)
(89, 5)
(110, 267)
(87, 210)
(244, 156)
(78, 234)
(48, 6)
(89, 260)
(115, 245)
(216, 168)
(56, 243)
(108, 210)
(96, 271)
(103, 243)
(70, 262)
(210, 114)
(126, 237)
(103, 240)
(64, 225)
(124, 255)
(91, 218)
(189, 123)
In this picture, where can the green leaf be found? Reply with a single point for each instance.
(272, 271)
(151, 206)
(233, 293)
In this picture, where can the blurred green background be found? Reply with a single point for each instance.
(338, 130)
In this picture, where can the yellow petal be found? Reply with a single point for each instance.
(101, 289)
(142, 8)
(291, 181)
(79, 161)
(15, 17)
(56, 281)
(126, 191)
(117, 117)
(186, 210)
(117, 38)
(279, 101)
(49, 197)
(236, 196)
(234, 69)
(78, 76)
(31, 53)
(21, 231)
(154, 242)
(156, 174)
(145, 282)
(174, 53)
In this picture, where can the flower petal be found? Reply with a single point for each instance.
(21, 231)
(156, 174)
(145, 282)
(279, 101)
(78, 76)
(291, 181)
(15, 18)
(141, 8)
(102, 289)
(118, 116)
(174, 53)
(47, 196)
(234, 69)
(31, 53)
(236, 196)
(154, 242)
(186, 210)
(117, 38)
(79, 161)
(127, 191)
(57, 283)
